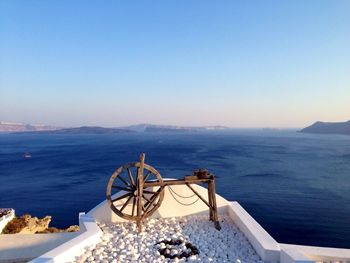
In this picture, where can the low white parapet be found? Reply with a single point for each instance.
(292, 255)
(270, 250)
(10, 214)
(267, 248)
(25, 247)
(320, 254)
(89, 237)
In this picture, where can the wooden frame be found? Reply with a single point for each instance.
(148, 201)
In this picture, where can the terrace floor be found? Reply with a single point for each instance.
(177, 239)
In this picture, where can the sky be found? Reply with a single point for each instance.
(242, 64)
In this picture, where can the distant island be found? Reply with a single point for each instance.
(328, 128)
(12, 127)
(171, 128)
(21, 127)
(83, 130)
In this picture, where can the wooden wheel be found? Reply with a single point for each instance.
(134, 201)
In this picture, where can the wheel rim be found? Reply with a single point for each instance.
(124, 180)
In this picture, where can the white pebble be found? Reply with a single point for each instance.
(121, 242)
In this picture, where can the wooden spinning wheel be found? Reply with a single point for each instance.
(135, 202)
(140, 190)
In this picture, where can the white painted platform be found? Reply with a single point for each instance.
(267, 248)
(90, 234)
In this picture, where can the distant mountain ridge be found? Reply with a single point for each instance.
(84, 130)
(12, 127)
(328, 128)
(21, 127)
(171, 128)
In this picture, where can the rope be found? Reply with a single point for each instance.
(172, 192)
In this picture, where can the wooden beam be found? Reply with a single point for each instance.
(174, 182)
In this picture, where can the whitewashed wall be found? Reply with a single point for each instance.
(5, 219)
(24, 247)
(89, 236)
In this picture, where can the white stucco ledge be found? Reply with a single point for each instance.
(316, 254)
(25, 247)
(267, 248)
(292, 255)
(90, 236)
(6, 218)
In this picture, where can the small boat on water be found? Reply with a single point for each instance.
(27, 155)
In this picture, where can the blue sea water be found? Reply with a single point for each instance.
(297, 186)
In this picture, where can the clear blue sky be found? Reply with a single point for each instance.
(235, 63)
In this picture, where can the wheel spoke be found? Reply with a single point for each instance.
(133, 206)
(150, 202)
(153, 198)
(121, 188)
(147, 175)
(123, 180)
(126, 203)
(144, 197)
(149, 192)
(120, 197)
(130, 177)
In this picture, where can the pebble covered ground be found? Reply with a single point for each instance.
(122, 243)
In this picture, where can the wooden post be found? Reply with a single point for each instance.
(215, 208)
(210, 199)
(140, 192)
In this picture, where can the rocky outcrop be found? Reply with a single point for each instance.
(34, 224)
(73, 228)
(27, 224)
(328, 128)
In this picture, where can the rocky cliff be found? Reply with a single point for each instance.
(27, 224)
(328, 128)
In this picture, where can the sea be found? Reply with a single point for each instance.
(296, 185)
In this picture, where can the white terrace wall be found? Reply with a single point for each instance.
(272, 251)
(89, 236)
(320, 254)
(24, 247)
(267, 248)
(5, 219)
